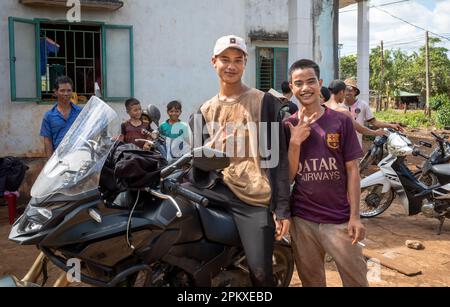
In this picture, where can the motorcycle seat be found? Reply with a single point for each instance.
(219, 226)
(442, 171)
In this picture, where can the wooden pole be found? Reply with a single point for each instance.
(380, 90)
(427, 69)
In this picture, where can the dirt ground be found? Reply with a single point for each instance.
(386, 234)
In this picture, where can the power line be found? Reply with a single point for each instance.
(391, 43)
(405, 21)
(384, 4)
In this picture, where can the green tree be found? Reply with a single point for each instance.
(404, 71)
(349, 67)
(439, 68)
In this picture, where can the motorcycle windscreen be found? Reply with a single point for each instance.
(76, 164)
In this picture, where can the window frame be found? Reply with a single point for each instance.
(258, 64)
(12, 59)
(37, 22)
(106, 27)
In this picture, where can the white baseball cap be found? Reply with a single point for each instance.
(230, 41)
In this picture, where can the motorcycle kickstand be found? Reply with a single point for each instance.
(441, 224)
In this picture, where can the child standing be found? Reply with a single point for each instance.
(176, 132)
(134, 128)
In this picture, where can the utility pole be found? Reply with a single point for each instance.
(340, 46)
(382, 76)
(380, 91)
(427, 69)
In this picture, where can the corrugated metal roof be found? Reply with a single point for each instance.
(405, 94)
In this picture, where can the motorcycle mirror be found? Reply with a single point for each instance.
(154, 113)
(208, 159)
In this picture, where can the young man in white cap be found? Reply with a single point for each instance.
(360, 109)
(240, 121)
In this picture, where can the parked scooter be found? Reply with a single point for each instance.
(395, 179)
(158, 235)
(441, 154)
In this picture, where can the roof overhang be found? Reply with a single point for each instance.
(344, 3)
(110, 5)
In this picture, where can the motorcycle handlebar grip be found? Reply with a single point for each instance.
(437, 137)
(173, 187)
(203, 201)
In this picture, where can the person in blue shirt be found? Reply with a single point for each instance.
(176, 132)
(59, 119)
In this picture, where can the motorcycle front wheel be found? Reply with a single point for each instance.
(374, 201)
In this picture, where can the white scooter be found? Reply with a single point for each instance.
(394, 178)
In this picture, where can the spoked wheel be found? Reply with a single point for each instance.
(374, 201)
(429, 179)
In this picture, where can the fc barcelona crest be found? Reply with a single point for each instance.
(333, 140)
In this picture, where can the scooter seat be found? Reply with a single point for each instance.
(219, 226)
(442, 172)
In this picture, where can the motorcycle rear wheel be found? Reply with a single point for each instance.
(374, 202)
(283, 265)
(429, 179)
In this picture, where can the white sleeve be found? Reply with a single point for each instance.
(367, 112)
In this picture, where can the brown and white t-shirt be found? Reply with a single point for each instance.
(234, 129)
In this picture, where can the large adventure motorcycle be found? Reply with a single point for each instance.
(160, 234)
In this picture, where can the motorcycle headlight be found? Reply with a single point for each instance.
(34, 219)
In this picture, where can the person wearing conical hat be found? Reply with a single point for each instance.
(360, 109)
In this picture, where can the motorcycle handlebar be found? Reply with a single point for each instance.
(390, 130)
(436, 136)
(175, 188)
(173, 167)
(441, 142)
(418, 153)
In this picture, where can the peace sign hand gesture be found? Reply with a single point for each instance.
(302, 130)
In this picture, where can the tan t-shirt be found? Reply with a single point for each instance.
(234, 129)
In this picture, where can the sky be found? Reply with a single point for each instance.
(433, 15)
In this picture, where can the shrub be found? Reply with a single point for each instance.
(412, 119)
(436, 102)
(443, 115)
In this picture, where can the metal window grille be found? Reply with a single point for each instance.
(272, 68)
(78, 57)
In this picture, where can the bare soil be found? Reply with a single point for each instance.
(386, 234)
